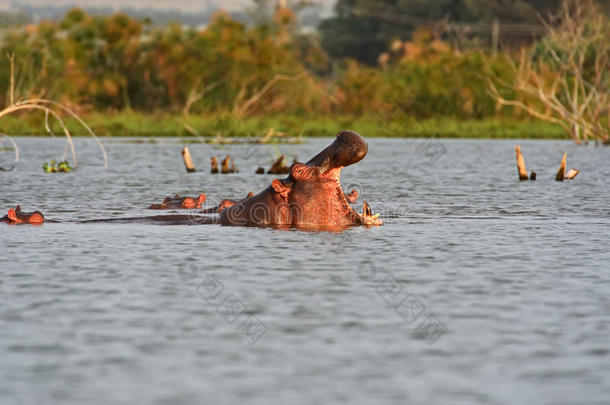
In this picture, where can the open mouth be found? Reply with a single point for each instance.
(367, 217)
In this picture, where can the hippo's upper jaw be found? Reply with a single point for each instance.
(311, 196)
(347, 149)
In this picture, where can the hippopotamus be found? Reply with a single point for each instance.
(311, 195)
(224, 204)
(178, 202)
(16, 216)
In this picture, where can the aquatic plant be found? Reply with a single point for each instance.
(54, 167)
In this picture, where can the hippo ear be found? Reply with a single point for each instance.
(281, 189)
(12, 215)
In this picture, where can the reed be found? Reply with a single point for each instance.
(51, 109)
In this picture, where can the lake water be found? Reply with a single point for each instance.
(479, 289)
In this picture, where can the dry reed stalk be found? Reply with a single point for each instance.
(49, 107)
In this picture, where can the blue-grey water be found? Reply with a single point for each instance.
(479, 289)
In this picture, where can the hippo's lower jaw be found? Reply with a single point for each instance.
(367, 217)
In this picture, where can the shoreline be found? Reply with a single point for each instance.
(281, 128)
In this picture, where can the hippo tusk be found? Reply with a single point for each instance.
(366, 210)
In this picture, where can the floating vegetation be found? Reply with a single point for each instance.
(54, 167)
(271, 136)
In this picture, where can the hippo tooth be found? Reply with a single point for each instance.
(366, 210)
(375, 216)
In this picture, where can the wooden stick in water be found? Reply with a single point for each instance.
(188, 161)
(521, 169)
(278, 167)
(228, 165)
(213, 165)
(572, 173)
(562, 168)
(224, 165)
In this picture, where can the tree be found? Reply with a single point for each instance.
(565, 78)
(362, 29)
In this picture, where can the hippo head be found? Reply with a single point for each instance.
(16, 216)
(313, 192)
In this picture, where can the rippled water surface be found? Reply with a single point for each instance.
(478, 289)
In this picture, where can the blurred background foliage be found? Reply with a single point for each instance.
(391, 59)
